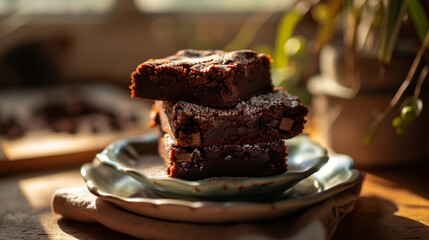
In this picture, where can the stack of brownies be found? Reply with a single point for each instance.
(218, 113)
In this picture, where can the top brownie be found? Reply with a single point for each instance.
(212, 78)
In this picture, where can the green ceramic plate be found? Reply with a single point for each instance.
(136, 157)
(119, 188)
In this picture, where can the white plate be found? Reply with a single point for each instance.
(130, 194)
(131, 156)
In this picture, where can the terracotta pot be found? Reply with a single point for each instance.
(344, 123)
(343, 117)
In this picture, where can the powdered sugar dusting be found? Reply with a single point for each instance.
(276, 99)
(202, 60)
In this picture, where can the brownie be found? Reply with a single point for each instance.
(206, 77)
(264, 118)
(233, 160)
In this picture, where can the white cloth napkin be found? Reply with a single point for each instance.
(317, 222)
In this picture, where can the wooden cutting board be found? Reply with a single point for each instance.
(64, 126)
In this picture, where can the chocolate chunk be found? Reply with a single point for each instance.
(193, 138)
(183, 157)
(286, 124)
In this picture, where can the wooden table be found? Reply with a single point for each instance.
(394, 204)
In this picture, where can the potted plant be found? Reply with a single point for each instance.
(359, 97)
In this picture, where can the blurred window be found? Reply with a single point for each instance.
(55, 7)
(204, 6)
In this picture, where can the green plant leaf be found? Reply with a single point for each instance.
(415, 103)
(418, 16)
(390, 29)
(370, 133)
(284, 32)
(325, 32)
(350, 23)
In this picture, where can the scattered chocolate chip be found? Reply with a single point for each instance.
(64, 125)
(11, 129)
(66, 115)
(134, 118)
(114, 123)
(94, 128)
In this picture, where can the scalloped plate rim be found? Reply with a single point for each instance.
(203, 186)
(288, 204)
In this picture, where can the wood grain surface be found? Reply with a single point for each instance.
(394, 204)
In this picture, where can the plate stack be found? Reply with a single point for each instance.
(221, 152)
